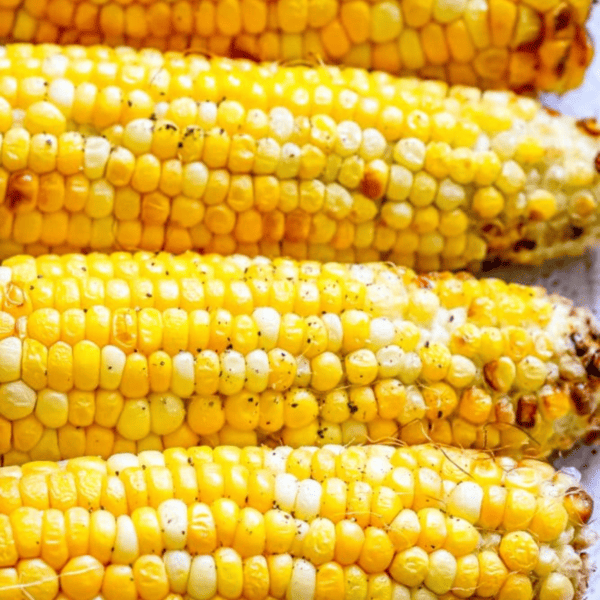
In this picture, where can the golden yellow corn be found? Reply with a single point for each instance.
(122, 353)
(422, 523)
(113, 149)
(538, 44)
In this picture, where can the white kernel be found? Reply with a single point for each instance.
(151, 458)
(349, 137)
(465, 501)
(441, 572)
(410, 367)
(400, 592)
(61, 92)
(117, 462)
(126, 547)
(276, 460)
(257, 371)
(547, 561)
(281, 122)
(182, 380)
(95, 156)
(207, 115)
(194, 179)
(5, 275)
(381, 333)
(410, 153)
(414, 408)
(173, 520)
(335, 331)
(137, 136)
(303, 372)
(177, 565)
(202, 584)
(268, 321)
(112, 363)
(286, 490)
(373, 145)
(55, 66)
(303, 581)
(308, 501)
(388, 359)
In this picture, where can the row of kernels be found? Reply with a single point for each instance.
(316, 543)
(36, 234)
(129, 357)
(172, 86)
(145, 161)
(399, 468)
(409, 51)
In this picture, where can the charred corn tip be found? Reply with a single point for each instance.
(419, 522)
(533, 45)
(116, 149)
(105, 353)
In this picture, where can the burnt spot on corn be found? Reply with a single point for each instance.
(582, 399)
(524, 245)
(526, 411)
(575, 232)
(597, 162)
(536, 215)
(579, 342)
(492, 263)
(532, 46)
(593, 366)
(592, 437)
(562, 19)
(235, 51)
(22, 190)
(371, 185)
(589, 126)
(561, 65)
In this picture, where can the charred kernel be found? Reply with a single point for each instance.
(527, 407)
(582, 398)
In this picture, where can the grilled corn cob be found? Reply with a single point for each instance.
(538, 44)
(103, 149)
(410, 523)
(122, 353)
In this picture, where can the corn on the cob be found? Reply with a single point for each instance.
(421, 523)
(123, 353)
(538, 44)
(103, 149)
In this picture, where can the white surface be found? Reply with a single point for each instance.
(578, 279)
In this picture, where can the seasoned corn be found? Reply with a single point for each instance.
(489, 43)
(112, 353)
(113, 149)
(299, 524)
